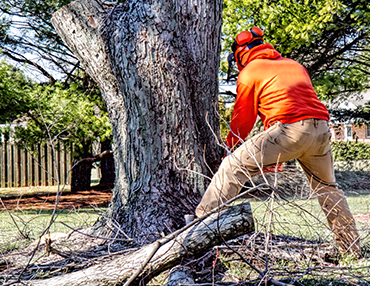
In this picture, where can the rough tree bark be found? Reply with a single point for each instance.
(156, 62)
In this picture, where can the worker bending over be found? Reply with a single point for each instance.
(280, 91)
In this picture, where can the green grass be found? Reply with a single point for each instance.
(304, 218)
(359, 203)
(301, 218)
(20, 227)
(32, 223)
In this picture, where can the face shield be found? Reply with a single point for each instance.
(230, 61)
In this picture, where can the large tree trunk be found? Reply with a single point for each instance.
(156, 63)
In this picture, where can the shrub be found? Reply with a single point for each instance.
(350, 150)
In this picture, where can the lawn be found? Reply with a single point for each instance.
(304, 218)
(22, 226)
(291, 216)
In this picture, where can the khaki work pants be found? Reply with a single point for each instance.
(308, 142)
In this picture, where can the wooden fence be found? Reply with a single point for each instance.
(35, 167)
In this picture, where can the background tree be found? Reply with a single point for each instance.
(27, 37)
(29, 41)
(329, 38)
(52, 114)
(359, 115)
(14, 91)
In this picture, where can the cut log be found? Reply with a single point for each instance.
(164, 253)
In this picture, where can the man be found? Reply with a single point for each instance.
(280, 91)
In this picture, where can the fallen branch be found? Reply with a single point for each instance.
(231, 223)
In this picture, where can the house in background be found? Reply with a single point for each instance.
(348, 131)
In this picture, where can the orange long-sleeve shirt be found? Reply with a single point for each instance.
(276, 89)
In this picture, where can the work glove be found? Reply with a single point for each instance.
(273, 168)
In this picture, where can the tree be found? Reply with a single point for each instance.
(14, 91)
(156, 64)
(71, 116)
(360, 115)
(329, 38)
(53, 114)
(29, 40)
(27, 37)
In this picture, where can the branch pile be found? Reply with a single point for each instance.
(153, 259)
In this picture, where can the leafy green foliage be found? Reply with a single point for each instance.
(66, 114)
(360, 115)
(47, 113)
(27, 37)
(14, 92)
(225, 114)
(74, 110)
(330, 38)
(288, 24)
(350, 150)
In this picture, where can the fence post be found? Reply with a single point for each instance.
(16, 166)
(36, 165)
(69, 162)
(3, 164)
(43, 165)
(9, 156)
(23, 160)
(30, 169)
(49, 165)
(61, 164)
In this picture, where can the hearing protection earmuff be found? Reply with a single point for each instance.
(244, 41)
